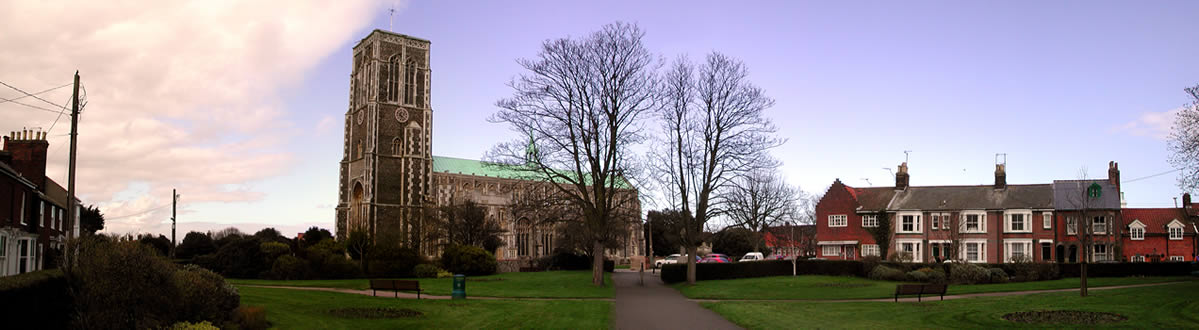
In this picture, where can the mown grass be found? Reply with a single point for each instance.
(556, 284)
(819, 287)
(1166, 306)
(301, 309)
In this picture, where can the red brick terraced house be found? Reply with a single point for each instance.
(979, 223)
(790, 240)
(1089, 207)
(1161, 234)
(33, 219)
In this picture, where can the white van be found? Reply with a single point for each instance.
(752, 256)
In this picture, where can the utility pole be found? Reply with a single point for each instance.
(71, 207)
(794, 252)
(651, 245)
(174, 200)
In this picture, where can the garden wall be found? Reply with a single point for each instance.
(1019, 272)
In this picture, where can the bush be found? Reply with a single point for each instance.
(918, 276)
(934, 275)
(968, 274)
(884, 273)
(997, 275)
(468, 260)
(1125, 269)
(194, 244)
(563, 260)
(121, 285)
(326, 265)
(44, 300)
(1031, 271)
(241, 258)
(204, 295)
(194, 326)
(250, 318)
(289, 268)
(272, 250)
(426, 271)
(394, 261)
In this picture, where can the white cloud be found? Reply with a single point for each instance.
(326, 124)
(1151, 124)
(181, 94)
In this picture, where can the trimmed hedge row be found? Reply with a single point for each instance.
(36, 300)
(1017, 272)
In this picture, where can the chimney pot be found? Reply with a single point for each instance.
(1186, 200)
(1000, 176)
(902, 177)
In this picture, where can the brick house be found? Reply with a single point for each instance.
(33, 219)
(977, 223)
(789, 240)
(1089, 206)
(1158, 234)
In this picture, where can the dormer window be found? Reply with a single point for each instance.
(1175, 230)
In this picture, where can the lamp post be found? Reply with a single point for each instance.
(794, 271)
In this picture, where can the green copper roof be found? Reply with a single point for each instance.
(480, 168)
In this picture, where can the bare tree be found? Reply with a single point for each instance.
(714, 132)
(581, 101)
(759, 200)
(1184, 143)
(466, 223)
(1086, 201)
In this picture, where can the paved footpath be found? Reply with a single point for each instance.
(657, 306)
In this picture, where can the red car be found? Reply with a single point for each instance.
(715, 259)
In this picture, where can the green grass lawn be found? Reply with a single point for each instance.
(298, 309)
(556, 284)
(1167, 306)
(819, 287)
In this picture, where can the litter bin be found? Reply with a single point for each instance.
(459, 287)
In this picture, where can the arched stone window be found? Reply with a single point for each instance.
(357, 208)
(389, 80)
(397, 147)
(524, 234)
(410, 81)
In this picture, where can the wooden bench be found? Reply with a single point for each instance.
(920, 290)
(395, 286)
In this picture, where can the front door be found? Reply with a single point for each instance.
(850, 254)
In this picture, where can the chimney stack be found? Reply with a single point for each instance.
(1000, 176)
(1186, 200)
(1113, 174)
(902, 177)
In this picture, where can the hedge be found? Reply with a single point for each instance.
(1018, 272)
(44, 300)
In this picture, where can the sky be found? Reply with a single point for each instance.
(240, 105)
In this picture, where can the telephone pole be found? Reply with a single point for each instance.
(174, 200)
(71, 207)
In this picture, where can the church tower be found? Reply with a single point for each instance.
(386, 166)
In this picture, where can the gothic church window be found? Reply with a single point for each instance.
(397, 147)
(410, 82)
(413, 134)
(389, 80)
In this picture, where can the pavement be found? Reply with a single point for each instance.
(653, 305)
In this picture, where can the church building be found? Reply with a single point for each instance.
(388, 173)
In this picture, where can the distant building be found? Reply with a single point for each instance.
(33, 219)
(791, 240)
(388, 172)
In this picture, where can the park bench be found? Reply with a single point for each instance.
(920, 290)
(396, 286)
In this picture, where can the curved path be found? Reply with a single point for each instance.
(657, 306)
(405, 295)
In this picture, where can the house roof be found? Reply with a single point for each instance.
(12, 173)
(873, 198)
(1154, 219)
(1030, 196)
(780, 235)
(453, 165)
(1070, 194)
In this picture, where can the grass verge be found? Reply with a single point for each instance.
(1149, 307)
(298, 309)
(819, 287)
(556, 284)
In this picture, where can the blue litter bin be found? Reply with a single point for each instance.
(459, 287)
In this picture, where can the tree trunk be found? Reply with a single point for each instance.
(597, 264)
(1083, 273)
(691, 250)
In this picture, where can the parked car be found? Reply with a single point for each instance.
(752, 256)
(716, 259)
(670, 259)
(718, 255)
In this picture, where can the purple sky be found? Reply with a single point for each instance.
(1056, 86)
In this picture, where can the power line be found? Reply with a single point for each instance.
(139, 213)
(31, 106)
(64, 109)
(1152, 176)
(38, 93)
(27, 94)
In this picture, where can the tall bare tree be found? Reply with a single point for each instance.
(581, 101)
(759, 200)
(1184, 143)
(714, 131)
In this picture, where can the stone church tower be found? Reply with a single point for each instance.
(386, 166)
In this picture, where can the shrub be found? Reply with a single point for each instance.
(194, 326)
(241, 258)
(563, 260)
(674, 273)
(393, 261)
(997, 275)
(326, 265)
(1031, 271)
(121, 285)
(934, 275)
(250, 318)
(289, 268)
(194, 244)
(884, 273)
(968, 274)
(204, 295)
(917, 276)
(1125, 269)
(272, 250)
(426, 271)
(44, 300)
(468, 260)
